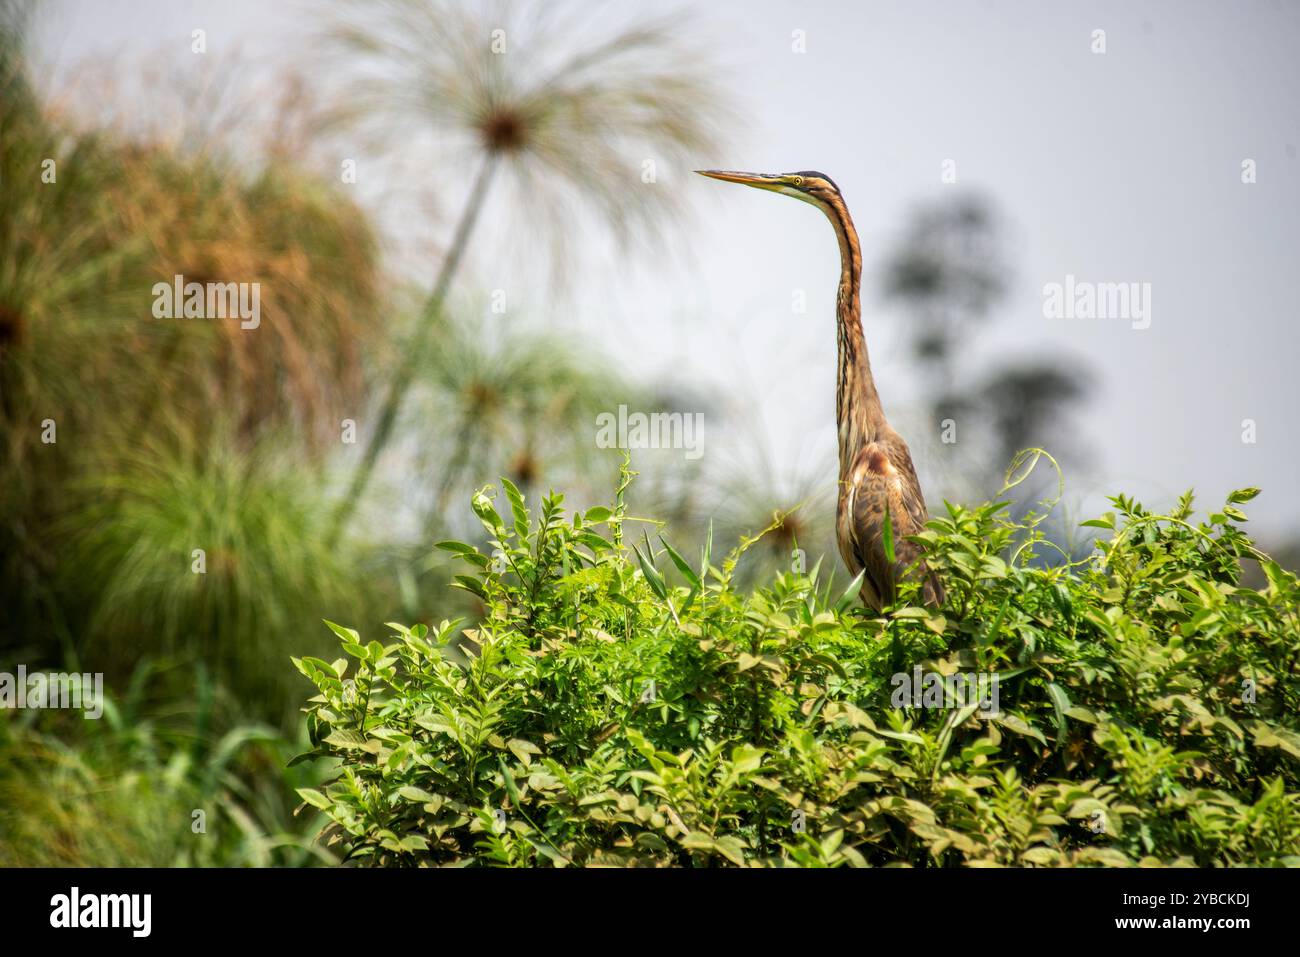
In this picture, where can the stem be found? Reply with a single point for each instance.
(413, 354)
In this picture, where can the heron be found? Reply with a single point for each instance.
(880, 499)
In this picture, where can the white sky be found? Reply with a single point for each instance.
(1117, 167)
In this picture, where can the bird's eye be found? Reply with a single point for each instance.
(798, 181)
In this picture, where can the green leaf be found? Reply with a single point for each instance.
(1061, 703)
(746, 758)
(1020, 726)
(460, 548)
(487, 513)
(911, 612)
(523, 750)
(1281, 738)
(413, 843)
(416, 795)
(347, 634)
(511, 788)
(652, 576)
(346, 739)
(687, 572)
(517, 507)
(887, 532)
(847, 597)
(732, 848)
(315, 798)
(831, 842)
(470, 584)
(1079, 713)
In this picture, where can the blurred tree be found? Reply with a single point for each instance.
(796, 506)
(524, 90)
(16, 96)
(518, 403)
(949, 272)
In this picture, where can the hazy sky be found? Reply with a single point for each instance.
(1117, 167)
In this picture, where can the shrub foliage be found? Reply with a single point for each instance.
(620, 704)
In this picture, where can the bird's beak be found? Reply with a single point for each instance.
(757, 180)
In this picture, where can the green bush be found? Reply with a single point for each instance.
(601, 713)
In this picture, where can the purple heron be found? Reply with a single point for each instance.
(877, 483)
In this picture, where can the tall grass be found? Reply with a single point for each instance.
(123, 791)
(206, 552)
(169, 435)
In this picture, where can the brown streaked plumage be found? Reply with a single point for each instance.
(876, 473)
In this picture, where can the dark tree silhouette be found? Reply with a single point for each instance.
(950, 272)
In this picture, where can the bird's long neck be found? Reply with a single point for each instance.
(857, 404)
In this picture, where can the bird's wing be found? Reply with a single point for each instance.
(883, 481)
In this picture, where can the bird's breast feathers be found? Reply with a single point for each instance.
(880, 480)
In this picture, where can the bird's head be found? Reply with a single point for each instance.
(808, 185)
